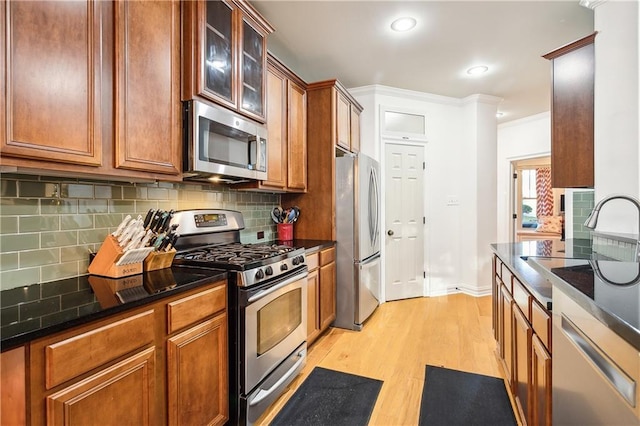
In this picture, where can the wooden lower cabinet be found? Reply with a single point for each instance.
(541, 383)
(321, 292)
(121, 394)
(506, 326)
(13, 392)
(523, 347)
(164, 363)
(522, 333)
(197, 386)
(313, 317)
(327, 294)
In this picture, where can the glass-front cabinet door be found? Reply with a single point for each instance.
(219, 55)
(224, 52)
(253, 76)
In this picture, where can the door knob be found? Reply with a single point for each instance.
(389, 232)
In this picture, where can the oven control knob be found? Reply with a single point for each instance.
(284, 267)
(259, 274)
(301, 259)
(295, 261)
(268, 270)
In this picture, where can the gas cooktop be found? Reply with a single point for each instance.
(237, 254)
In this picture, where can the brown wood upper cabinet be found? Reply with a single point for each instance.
(287, 125)
(225, 55)
(91, 88)
(147, 86)
(348, 121)
(572, 106)
(53, 81)
(330, 108)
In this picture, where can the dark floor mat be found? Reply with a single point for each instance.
(329, 397)
(452, 397)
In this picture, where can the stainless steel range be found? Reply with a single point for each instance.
(267, 306)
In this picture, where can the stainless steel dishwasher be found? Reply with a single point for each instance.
(595, 372)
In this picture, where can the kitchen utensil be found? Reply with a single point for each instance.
(134, 256)
(276, 214)
(122, 226)
(296, 209)
(291, 216)
(148, 217)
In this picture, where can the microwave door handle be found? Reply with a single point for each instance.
(261, 159)
(252, 147)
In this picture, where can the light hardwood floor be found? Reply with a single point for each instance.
(396, 344)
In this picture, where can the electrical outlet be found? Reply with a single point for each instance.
(452, 200)
(260, 235)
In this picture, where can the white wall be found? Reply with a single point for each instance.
(617, 111)
(453, 133)
(528, 137)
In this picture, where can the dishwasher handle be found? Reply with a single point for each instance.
(620, 381)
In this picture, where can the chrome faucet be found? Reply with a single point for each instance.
(592, 220)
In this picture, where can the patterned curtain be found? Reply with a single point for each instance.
(544, 193)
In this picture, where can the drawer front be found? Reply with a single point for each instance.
(522, 298)
(77, 355)
(507, 279)
(541, 322)
(191, 309)
(327, 256)
(312, 261)
(498, 266)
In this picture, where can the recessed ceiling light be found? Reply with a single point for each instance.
(481, 69)
(403, 24)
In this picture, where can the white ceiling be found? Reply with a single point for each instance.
(352, 41)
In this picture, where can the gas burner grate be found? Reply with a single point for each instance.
(235, 253)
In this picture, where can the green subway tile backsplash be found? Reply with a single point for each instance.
(8, 225)
(19, 242)
(30, 258)
(9, 261)
(48, 225)
(39, 223)
(583, 202)
(17, 206)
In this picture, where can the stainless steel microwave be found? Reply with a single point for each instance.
(221, 145)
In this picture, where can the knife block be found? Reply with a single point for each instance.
(104, 263)
(158, 260)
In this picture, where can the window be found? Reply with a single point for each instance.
(532, 193)
(528, 216)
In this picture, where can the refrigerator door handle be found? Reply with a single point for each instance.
(374, 222)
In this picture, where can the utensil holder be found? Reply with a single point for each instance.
(285, 231)
(158, 260)
(112, 262)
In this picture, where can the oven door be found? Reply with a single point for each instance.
(275, 318)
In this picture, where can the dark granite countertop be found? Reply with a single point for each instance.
(310, 246)
(514, 255)
(38, 310)
(608, 290)
(569, 266)
(511, 255)
(314, 245)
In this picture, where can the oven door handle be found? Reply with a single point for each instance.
(277, 287)
(264, 393)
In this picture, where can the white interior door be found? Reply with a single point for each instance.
(404, 212)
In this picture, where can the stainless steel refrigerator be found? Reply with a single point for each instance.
(358, 237)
